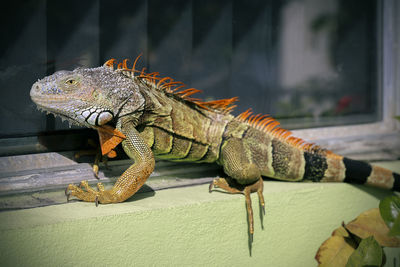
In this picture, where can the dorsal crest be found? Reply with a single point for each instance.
(170, 86)
(269, 125)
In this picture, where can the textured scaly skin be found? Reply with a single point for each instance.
(160, 124)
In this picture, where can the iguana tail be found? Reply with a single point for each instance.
(342, 169)
(282, 156)
(321, 165)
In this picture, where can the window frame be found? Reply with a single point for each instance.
(378, 140)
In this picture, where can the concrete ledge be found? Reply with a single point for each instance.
(185, 226)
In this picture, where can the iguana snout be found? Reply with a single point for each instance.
(70, 96)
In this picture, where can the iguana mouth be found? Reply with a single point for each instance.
(92, 117)
(71, 121)
(78, 112)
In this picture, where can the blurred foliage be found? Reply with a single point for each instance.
(360, 242)
(368, 253)
(390, 210)
(339, 23)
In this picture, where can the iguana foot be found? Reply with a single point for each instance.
(99, 158)
(96, 162)
(223, 184)
(230, 186)
(96, 151)
(86, 193)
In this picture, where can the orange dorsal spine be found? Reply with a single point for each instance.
(169, 85)
(259, 121)
(269, 125)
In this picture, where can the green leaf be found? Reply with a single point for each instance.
(368, 253)
(397, 118)
(395, 231)
(390, 212)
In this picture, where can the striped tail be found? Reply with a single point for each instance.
(285, 157)
(335, 168)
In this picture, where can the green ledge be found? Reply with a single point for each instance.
(186, 226)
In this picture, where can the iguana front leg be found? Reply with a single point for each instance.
(130, 181)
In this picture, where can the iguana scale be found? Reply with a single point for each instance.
(159, 119)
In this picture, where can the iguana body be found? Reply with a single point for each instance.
(161, 122)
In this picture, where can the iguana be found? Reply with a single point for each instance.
(156, 118)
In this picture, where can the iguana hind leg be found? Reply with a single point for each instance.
(129, 182)
(228, 186)
(246, 175)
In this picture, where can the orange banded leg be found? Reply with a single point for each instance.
(129, 182)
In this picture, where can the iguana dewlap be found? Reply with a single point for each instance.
(158, 119)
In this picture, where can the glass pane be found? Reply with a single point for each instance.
(22, 62)
(327, 62)
(306, 62)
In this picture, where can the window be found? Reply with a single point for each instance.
(308, 63)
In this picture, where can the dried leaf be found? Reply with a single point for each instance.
(109, 139)
(368, 253)
(336, 250)
(370, 223)
(390, 212)
(341, 231)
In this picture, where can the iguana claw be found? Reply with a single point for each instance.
(83, 192)
(67, 194)
(210, 187)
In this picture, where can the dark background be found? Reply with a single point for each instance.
(225, 48)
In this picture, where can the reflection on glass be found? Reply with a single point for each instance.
(306, 62)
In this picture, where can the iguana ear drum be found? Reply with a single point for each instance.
(104, 117)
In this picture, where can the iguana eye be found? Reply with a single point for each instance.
(70, 82)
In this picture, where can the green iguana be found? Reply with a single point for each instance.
(159, 119)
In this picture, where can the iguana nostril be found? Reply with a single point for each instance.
(35, 89)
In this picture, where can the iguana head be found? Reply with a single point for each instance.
(87, 97)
